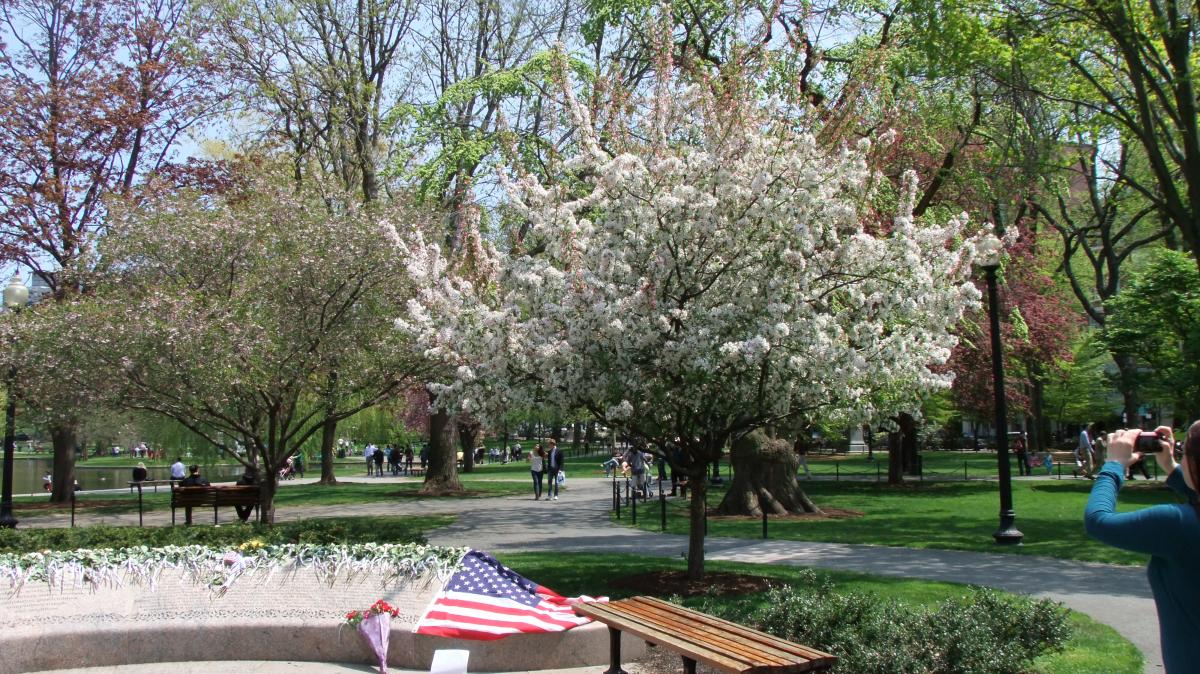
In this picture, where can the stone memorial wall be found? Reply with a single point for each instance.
(294, 616)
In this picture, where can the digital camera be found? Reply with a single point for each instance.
(1148, 442)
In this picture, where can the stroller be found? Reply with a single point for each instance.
(288, 472)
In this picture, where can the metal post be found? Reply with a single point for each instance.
(662, 506)
(837, 472)
(877, 471)
(140, 505)
(72, 506)
(633, 509)
(1007, 534)
(764, 513)
(965, 478)
(614, 652)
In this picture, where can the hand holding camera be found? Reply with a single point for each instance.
(1128, 446)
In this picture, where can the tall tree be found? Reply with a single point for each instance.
(1103, 220)
(707, 286)
(223, 311)
(324, 72)
(93, 95)
(1130, 65)
(1156, 319)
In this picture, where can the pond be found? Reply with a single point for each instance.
(28, 472)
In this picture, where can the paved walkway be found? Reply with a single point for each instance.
(1115, 595)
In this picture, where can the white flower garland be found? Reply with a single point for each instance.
(219, 567)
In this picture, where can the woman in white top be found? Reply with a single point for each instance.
(537, 467)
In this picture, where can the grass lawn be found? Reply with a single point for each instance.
(289, 495)
(1093, 648)
(944, 515)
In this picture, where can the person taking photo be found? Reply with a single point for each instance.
(1169, 533)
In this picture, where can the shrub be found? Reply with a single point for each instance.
(316, 531)
(983, 632)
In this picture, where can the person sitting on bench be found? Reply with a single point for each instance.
(194, 479)
(250, 477)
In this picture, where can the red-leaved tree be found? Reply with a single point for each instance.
(93, 94)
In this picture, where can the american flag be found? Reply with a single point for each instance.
(486, 600)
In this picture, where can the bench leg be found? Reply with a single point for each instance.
(614, 652)
(689, 665)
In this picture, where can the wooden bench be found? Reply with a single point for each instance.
(1061, 460)
(212, 497)
(699, 637)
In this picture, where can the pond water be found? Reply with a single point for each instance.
(28, 472)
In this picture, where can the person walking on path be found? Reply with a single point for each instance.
(537, 468)
(555, 461)
(369, 457)
(1022, 454)
(1084, 452)
(379, 457)
(1169, 533)
(801, 447)
(394, 458)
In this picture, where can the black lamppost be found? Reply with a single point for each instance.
(1007, 534)
(15, 297)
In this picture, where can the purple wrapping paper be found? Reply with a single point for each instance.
(376, 630)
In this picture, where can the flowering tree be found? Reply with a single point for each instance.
(225, 312)
(714, 280)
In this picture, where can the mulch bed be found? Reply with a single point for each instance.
(826, 514)
(718, 583)
(79, 505)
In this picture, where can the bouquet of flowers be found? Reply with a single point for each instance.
(375, 627)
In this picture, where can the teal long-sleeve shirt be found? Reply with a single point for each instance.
(1170, 534)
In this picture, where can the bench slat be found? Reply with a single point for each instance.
(214, 497)
(757, 648)
(718, 643)
(625, 623)
(752, 637)
(742, 649)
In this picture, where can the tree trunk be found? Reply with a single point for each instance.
(764, 477)
(441, 475)
(895, 461)
(1127, 385)
(698, 483)
(908, 443)
(468, 431)
(269, 484)
(1039, 430)
(589, 436)
(576, 436)
(63, 435)
(328, 438)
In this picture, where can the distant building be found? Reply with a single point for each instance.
(39, 288)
